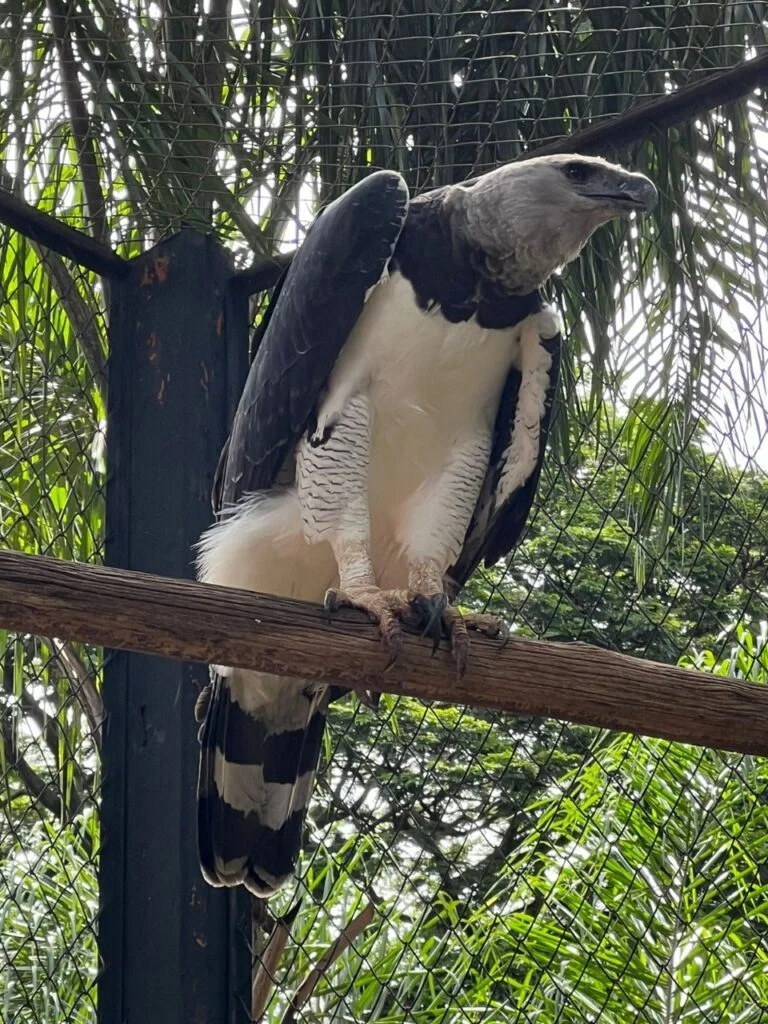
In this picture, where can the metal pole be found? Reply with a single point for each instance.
(174, 950)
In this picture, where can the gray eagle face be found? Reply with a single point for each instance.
(604, 189)
(534, 216)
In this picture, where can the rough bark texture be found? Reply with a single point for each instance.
(195, 622)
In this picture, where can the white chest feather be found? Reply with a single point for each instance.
(405, 430)
(431, 383)
(415, 398)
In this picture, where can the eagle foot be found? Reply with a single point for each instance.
(432, 616)
(458, 627)
(388, 608)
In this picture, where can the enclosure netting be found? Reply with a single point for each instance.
(51, 480)
(508, 868)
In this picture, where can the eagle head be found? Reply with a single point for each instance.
(532, 217)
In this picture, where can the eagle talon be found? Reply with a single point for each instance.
(434, 607)
(505, 633)
(384, 607)
(391, 638)
(490, 625)
(394, 653)
(370, 700)
(461, 657)
(330, 604)
(458, 627)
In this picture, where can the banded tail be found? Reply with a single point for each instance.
(260, 740)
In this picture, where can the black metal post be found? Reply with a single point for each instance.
(174, 950)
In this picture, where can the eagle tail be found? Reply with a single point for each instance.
(260, 739)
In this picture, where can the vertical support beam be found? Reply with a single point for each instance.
(174, 950)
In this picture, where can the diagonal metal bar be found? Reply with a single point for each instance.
(665, 112)
(55, 234)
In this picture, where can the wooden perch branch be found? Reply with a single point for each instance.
(195, 622)
(343, 941)
(265, 974)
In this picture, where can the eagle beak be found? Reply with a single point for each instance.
(631, 192)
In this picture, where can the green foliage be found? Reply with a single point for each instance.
(575, 577)
(51, 502)
(642, 892)
(49, 899)
(52, 412)
(439, 791)
(747, 656)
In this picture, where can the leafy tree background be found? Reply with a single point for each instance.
(525, 870)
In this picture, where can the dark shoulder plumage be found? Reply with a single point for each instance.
(447, 272)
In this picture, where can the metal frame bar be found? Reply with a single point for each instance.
(173, 948)
(55, 234)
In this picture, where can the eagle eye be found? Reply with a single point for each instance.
(577, 172)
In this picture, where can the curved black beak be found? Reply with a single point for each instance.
(631, 192)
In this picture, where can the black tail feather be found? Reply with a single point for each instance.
(260, 739)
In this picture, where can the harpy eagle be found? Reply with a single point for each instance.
(389, 438)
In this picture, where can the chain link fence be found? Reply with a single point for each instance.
(460, 865)
(51, 480)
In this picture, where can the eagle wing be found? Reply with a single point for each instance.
(345, 254)
(496, 526)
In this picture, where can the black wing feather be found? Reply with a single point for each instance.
(256, 339)
(493, 532)
(320, 298)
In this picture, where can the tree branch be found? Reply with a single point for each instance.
(81, 122)
(81, 686)
(55, 736)
(348, 936)
(39, 791)
(265, 973)
(80, 314)
(45, 793)
(197, 622)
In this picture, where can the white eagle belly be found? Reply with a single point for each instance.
(432, 387)
(411, 390)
